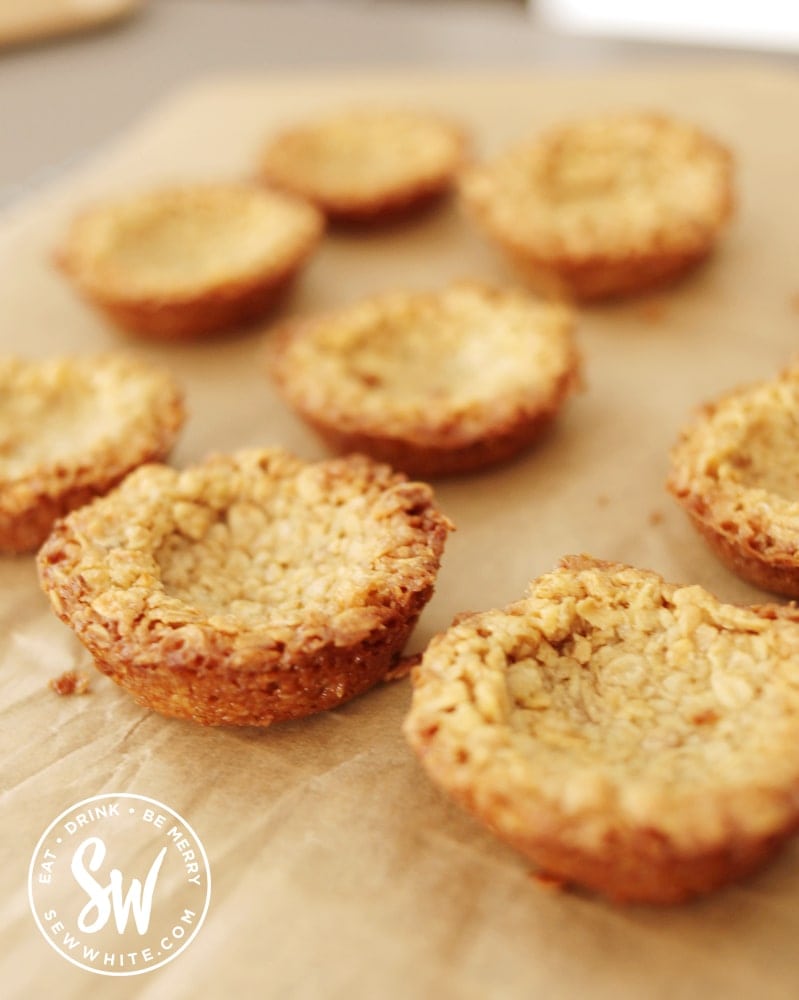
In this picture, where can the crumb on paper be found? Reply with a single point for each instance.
(402, 668)
(548, 881)
(70, 682)
(655, 518)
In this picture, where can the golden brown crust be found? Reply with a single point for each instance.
(185, 263)
(394, 376)
(732, 471)
(250, 589)
(366, 165)
(629, 735)
(73, 428)
(609, 206)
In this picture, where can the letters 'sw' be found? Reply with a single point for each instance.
(105, 899)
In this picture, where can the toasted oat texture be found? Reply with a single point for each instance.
(608, 206)
(251, 588)
(435, 383)
(366, 165)
(735, 473)
(183, 263)
(632, 736)
(71, 429)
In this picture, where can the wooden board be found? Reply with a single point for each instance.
(25, 21)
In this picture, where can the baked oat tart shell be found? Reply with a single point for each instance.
(366, 165)
(434, 384)
(250, 589)
(732, 471)
(72, 429)
(631, 736)
(609, 206)
(184, 263)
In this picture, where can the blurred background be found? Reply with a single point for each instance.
(772, 24)
(73, 73)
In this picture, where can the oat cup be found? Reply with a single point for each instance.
(435, 383)
(605, 207)
(366, 164)
(72, 429)
(187, 262)
(250, 589)
(630, 736)
(732, 472)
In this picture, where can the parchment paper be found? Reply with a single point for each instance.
(338, 870)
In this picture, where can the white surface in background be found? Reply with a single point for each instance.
(772, 24)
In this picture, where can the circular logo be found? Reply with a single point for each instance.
(119, 884)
